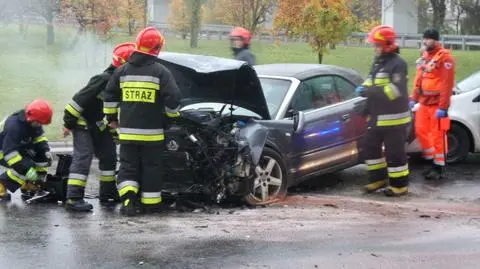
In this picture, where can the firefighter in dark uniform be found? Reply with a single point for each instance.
(389, 115)
(84, 117)
(144, 91)
(24, 150)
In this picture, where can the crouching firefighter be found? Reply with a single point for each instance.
(144, 90)
(24, 148)
(84, 117)
(388, 110)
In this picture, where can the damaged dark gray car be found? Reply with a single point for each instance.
(220, 146)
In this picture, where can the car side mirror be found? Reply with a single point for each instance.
(298, 121)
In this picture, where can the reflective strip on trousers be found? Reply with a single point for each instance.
(107, 176)
(15, 176)
(140, 134)
(376, 164)
(439, 159)
(127, 186)
(393, 119)
(1, 154)
(400, 171)
(428, 153)
(13, 158)
(150, 198)
(77, 180)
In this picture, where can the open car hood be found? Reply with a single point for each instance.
(212, 79)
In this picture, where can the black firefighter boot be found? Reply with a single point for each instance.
(436, 173)
(78, 204)
(129, 204)
(108, 193)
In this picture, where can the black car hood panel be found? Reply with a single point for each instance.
(214, 79)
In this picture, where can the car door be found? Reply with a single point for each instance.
(323, 143)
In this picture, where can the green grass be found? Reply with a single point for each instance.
(29, 69)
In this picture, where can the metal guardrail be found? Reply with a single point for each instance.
(214, 31)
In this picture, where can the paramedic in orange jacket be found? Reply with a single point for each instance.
(433, 88)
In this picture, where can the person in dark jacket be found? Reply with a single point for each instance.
(24, 149)
(389, 115)
(240, 43)
(145, 92)
(83, 116)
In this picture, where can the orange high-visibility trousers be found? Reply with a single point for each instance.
(431, 138)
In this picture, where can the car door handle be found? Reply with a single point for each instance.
(346, 117)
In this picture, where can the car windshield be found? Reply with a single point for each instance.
(274, 90)
(470, 83)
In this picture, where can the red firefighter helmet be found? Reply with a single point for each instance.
(242, 33)
(384, 36)
(39, 110)
(121, 53)
(149, 41)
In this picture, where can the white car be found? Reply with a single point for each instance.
(464, 112)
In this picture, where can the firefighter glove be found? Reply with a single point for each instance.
(441, 113)
(32, 174)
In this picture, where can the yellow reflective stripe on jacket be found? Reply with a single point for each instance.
(40, 139)
(139, 78)
(172, 113)
(140, 84)
(396, 172)
(393, 119)
(391, 91)
(13, 158)
(381, 81)
(13, 175)
(110, 107)
(367, 82)
(1, 154)
(82, 122)
(134, 134)
(72, 110)
(150, 198)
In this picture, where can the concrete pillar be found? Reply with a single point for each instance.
(401, 15)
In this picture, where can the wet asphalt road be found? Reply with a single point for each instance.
(320, 225)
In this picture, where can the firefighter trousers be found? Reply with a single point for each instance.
(88, 143)
(141, 172)
(431, 138)
(395, 166)
(13, 180)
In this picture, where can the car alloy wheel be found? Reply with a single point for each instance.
(268, 180)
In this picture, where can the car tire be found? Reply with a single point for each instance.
(262, 190)
(458, 144)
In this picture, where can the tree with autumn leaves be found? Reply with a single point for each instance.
(321, 22)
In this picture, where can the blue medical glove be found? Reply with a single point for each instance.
(441, 113)
(411, 104)
(359, 90)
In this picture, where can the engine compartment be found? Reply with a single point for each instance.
(206, 146)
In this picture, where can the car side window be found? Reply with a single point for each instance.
(345, 88)
(315, 93)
